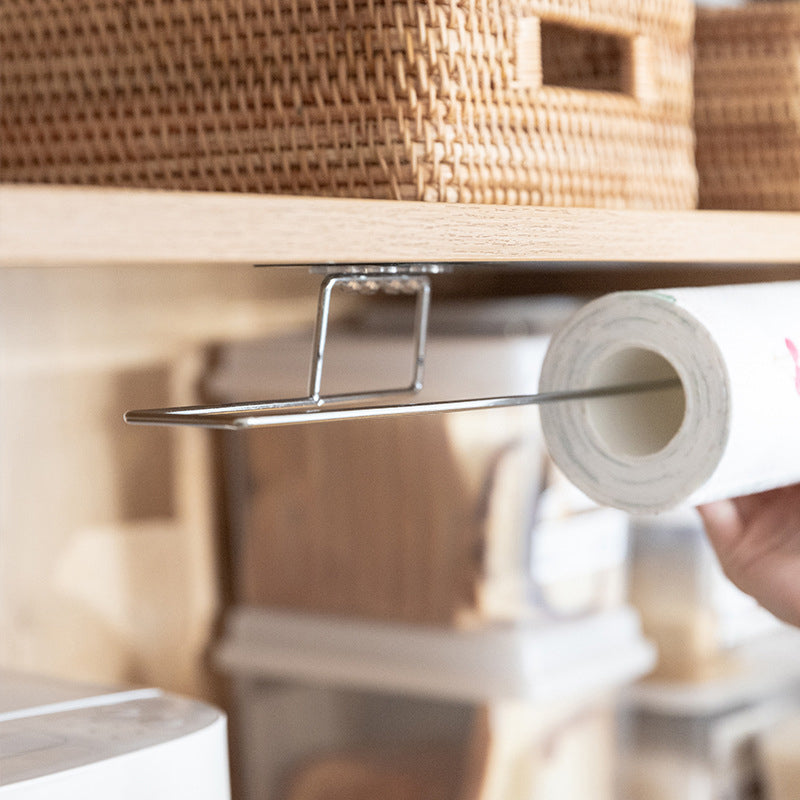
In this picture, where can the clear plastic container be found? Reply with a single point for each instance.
(700, 757)
(380, 710)
(698, 619)
(700, 739)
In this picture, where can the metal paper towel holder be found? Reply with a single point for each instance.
(316, 407)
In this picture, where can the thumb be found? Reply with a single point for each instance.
(722, 522)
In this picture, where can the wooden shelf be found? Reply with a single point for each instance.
(71, 226)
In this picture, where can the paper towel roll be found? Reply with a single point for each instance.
(732, 426)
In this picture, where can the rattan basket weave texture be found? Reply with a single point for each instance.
(747, 97)
(552, 102)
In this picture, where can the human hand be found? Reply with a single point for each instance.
(757, 541)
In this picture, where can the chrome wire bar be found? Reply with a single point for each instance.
(317, 407)
(303, 410)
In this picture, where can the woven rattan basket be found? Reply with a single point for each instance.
(553, 102)
(747, 96)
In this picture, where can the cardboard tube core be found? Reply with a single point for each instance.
(639, 424)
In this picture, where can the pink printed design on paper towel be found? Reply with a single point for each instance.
(793, 352)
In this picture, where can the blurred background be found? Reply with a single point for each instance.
(394, 609)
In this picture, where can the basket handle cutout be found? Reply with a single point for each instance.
(556, 54)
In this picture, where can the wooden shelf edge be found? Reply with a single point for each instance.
(83, 226)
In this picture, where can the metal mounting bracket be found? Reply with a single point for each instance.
(364, 280)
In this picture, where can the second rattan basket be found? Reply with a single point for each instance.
(553, 102)
(747, 87)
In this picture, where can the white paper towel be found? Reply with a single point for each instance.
(731, 428)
